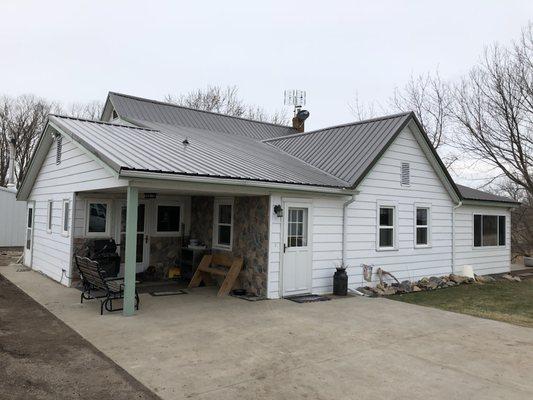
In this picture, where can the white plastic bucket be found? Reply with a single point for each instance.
(468, 271)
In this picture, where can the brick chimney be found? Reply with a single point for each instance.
(298, 121)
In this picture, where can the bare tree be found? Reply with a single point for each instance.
(362, 110)
(21, 118)
(226, 101)
(430, 98)
(494, 111)
(90, 110)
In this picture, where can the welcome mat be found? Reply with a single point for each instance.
(168, 293)
(307, 298)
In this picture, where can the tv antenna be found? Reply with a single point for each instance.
(295, 98)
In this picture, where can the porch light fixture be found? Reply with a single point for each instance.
(278, 210)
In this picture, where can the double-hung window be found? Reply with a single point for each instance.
(386, 227)
(422, 226)
(223, 224)
(489, 230)
(98, 220)
(65, 218)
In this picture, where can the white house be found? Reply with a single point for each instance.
(12, 217)
(293, 204)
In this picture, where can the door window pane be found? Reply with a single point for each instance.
(168, 218)
(30, 217)
(28, 238)
(140, 249)
(297, 227)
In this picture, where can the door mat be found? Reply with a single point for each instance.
(168, 293)
(248, 297)
(307, 298)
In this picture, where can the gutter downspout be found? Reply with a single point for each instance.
(344, 225)
(460, 204)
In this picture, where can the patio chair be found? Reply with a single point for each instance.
(229, 269)
(94, 280)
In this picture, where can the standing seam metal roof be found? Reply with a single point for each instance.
(344, 151)
(160, 149)
(130, 107)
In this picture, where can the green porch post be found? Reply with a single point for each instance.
(131, 250)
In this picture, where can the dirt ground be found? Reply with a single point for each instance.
(42, 358)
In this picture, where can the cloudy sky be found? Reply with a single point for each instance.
(74, 51)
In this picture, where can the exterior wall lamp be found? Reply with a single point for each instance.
(278, 210)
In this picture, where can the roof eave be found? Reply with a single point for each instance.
(270, 185)
(490, 203)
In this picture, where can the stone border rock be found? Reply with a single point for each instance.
(427, 284)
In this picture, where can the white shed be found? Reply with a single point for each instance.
(12, 217)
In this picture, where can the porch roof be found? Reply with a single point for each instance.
(159, 149)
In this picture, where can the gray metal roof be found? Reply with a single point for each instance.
(160, 149)
(345, 151)
(130, 107)
(474, 194)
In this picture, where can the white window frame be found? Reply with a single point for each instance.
(428, 226)
(107, 232)
(219, 201)
(49, 215)
(167, 203)
(69, 224)
(394, 206)
(489, 214)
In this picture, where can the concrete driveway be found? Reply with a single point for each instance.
(202, 347)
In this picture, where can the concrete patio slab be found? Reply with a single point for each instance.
(202, 347)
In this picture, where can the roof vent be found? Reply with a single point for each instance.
(406, 174)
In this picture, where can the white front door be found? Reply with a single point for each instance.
(143, 245)
(296, 265)
(28, 246)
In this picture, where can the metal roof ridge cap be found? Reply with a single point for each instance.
(194, 109)
(58, 116)
(366, 121)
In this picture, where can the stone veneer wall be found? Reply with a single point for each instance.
(250, 236)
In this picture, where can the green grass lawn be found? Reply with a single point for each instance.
(501, 300)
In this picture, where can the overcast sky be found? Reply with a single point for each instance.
(74, 51)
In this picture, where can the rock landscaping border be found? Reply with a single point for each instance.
(431, 283)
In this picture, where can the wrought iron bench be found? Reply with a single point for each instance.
(94, 280)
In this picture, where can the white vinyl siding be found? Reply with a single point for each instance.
(76, 172)
(380, 186)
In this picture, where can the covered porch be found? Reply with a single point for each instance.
(162, 231)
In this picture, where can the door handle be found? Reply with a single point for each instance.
(145, 238)
(284, 247)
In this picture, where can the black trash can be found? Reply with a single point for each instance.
(340, 282)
